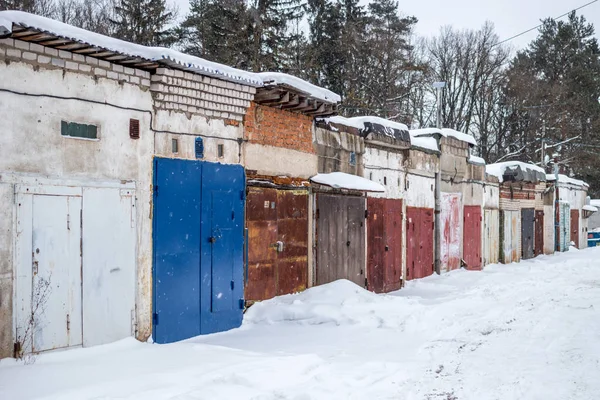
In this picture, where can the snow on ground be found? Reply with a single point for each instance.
(521, 331)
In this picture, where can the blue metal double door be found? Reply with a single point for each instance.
(198, 248)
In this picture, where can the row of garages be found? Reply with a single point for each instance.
(159, 194)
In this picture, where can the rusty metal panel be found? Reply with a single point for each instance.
(375, 244)
(426, 243)
(472, 237)
(539, 233)
(575, 227)
(261, 221)
(527, 233)
(292, 232)
(393, 245)
(419, 242)
(450, 231)
(340, 237)
(491, 237)
(277, 222)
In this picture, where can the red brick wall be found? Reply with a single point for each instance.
(521, 191)
(280, 128)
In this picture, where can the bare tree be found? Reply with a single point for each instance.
(472, 64)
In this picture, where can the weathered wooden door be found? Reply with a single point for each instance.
(510, 236)
(376, 242)
(472, 237)
(539, 233)
(527, 233)
(384, 244)
(419, 242)
(450, 231)
(491, 237)
(575, 227)
(340, 238)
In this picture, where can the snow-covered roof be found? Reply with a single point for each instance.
(518, 170)
(446, 132)
(278, 78)
(476, 160)
(341, 180)
(465, 137)
(159, 54)
(589, 208)
(423, 142)
(565, 179)
(360, 122)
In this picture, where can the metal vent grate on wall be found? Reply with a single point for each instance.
(134, 128)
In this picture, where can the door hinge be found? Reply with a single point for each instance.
(317, 213)
(242, 304)
(366, 214)
(69, 222)
(155, 190)
(232, 284)
(242, 195)
(366, 283)
(68, 322)
(155, 318)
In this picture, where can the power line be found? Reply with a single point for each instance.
(536, 27)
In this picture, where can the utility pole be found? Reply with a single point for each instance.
(543, 160)
(438, 183)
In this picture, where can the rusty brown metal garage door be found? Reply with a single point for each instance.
(575, 227)
(384, 244)
(539, 232)
(472, 237)
(277, 222)
(340, 237)
(419, 242)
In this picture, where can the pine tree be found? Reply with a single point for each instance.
(554, 86)
(272, 37)
(144, 22)
(327, 55)
(218, 30)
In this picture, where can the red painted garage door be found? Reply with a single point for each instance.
(419, 242)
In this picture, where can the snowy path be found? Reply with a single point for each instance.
(522, 331)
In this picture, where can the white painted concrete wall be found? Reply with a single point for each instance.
(271, 160)
(387, 168)
(185, 128)
(576, 197)
(32, 145)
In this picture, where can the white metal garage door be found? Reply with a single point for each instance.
(75, 266)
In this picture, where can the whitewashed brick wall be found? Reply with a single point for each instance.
(196, 94)
(50, 58)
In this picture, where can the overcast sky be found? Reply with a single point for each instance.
(510, 17)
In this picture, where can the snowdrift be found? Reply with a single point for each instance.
(341, 303)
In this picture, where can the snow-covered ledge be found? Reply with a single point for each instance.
(341, 180)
